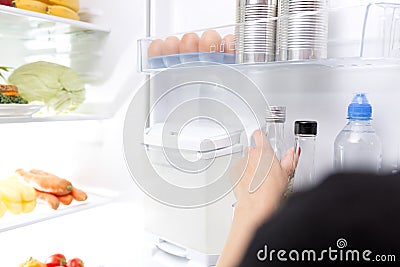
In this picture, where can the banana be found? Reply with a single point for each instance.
(71, 4)
(31, 5)
(62, 11)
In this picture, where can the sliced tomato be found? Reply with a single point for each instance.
(56, 260)
(75, 262)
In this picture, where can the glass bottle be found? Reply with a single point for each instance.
(275, 121)
(305, 137)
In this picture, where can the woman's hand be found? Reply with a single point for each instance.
(260, 181)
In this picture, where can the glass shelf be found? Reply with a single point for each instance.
(15, 20)
(42, 212)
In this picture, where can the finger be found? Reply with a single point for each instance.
(289, 161)
(261, 140)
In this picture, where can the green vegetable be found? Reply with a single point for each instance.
(12, 99)
(5, 69)
(59, 87)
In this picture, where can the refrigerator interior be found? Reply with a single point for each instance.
(84, 146)
(91, 152)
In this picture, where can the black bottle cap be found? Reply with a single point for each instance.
(305, 127)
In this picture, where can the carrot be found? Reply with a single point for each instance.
(48, 183)
(10, 93)
(49, 199)
(66, 199)
(78, 194)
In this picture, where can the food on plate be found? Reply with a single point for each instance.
(66, 200)
(59, 87)
(17, 196)
(71, 4)
(30, 5)
(189, 43)
(51, 189)
(48, 199)
(56, 260)
(32, 263)
(210, 41)
(228, 44)
(155, 48)
(6, 2)
(62, 11)
(9, 95)
(171, 46)
(3, 208)
(46, 182)
(75, 262)
(78, 194)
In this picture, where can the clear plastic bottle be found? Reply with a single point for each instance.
(357, 147)
(275, 128)
(305, 137)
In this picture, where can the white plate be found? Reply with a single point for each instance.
(19, 110)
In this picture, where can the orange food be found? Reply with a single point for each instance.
(45, 182)
(78, 194)
(66, 200)
(48, 198)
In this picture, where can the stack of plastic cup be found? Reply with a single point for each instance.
(255, 33)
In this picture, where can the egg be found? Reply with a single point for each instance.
(189, 43)
(228, 44)
(210, 41)
(155, 48)
(171, 45)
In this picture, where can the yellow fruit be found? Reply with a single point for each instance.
(28, 206)
(14, 207)
(71, 4)
(17, 196)
(27, 192)
(9, 193)
(30, 5)
(3, 208)
(32, 263)
(62, 11)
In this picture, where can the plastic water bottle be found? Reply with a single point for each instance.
(357, 146)
(305, 136)
(275, 123)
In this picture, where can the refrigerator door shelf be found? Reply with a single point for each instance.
(195, 136)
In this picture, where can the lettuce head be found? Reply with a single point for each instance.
(59, 87)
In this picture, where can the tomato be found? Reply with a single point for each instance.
(75, 262)
(6, 2)
(56, 260)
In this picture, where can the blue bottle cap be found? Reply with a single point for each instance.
(359, 108)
